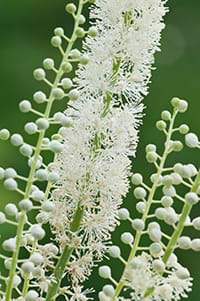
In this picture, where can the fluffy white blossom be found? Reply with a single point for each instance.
(94, 170)
(94, 166)
(122, 54)
(140, 277)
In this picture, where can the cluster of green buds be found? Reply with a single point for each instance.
(26, 258)
(158, 218)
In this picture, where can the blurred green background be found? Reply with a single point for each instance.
(26, 27)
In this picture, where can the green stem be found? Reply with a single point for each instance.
(180, 227)
(58, 274)
(63, 260)
(138, 236)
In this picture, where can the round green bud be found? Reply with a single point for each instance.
(175, 102)
(191, 198)
(182, 273)
(160, 213)
(127, 238)
(66, 83)
(10, 184)
(48, 206)
(59, 31)
(102, 297)
(37, 232)
(137, 179)
(184, 243)
(161, 125)
(2, 218)
(169, 191)
(38, 195)
(150, 148)
(75, 54)
(108, 290)
(56, 41)
(48, 64)
(195, 245)
(37, 259)
(16, 281)
(155, 249)
(31, 296)
(26, 150)
(10, 173)
(9, 245)
(105, 272)
(114, 252)
(179, 104)
(177, 146)
(53, 177)
(42, 123)
(59, 116)
(11, 209)
(182, 106)
(41, 175)
(80, 32)
(166, 115)
(92, 31)
(39, 74)
(151, 157)
(140, 207)
(140, 193)
(167, 201)
(39, 97)
(84, 60)
(27, 267)
(70, 8)
(66, 67)
(82, 19)
(56, 146)
(30, 128)
(16, 140)
(74, 94)
(191, 140)
(184, 129)
(167, 180)
(155, 234)
(123, 214)
(158, 266)
(4, 134)
(196, 223)
(25, 106)
(25, 205)
(58, 93)
(138, 224)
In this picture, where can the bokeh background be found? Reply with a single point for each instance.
(26, 27)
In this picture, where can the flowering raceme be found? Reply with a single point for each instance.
(151, 271)
(89, 175)
(94, 170)
(122, 54)
(94, 166)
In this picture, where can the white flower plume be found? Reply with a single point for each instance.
(122, 54)
(95, 164)
(141, 277)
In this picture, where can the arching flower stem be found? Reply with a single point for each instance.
(22, 219)
(120, 285)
